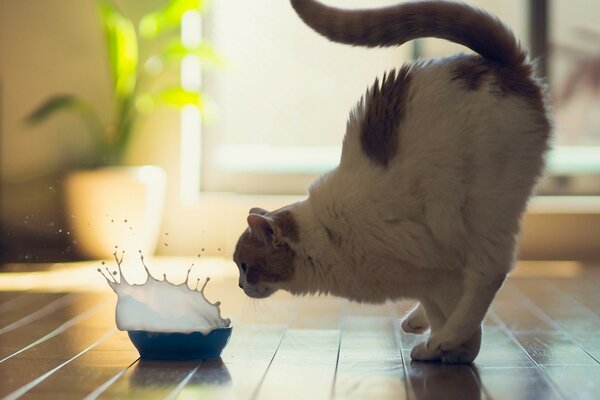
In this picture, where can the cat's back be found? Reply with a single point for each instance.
(431, 114)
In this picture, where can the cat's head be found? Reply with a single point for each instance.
(264, 253)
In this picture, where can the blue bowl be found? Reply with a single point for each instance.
(180, 346)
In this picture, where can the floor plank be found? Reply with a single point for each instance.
(96, 365)
(211, 381)
(437, 381)
(369, 361)
(148, 379)
(554, 349)
(516, 384)
(249, 355)
(576, 382)
(304, 356)
(40, 305)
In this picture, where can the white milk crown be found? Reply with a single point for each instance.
(161, 306)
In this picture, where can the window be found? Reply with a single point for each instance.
(574, 76)
(285, 94)
(191, 129)
(283, 97)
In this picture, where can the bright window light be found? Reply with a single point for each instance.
(191, 73)
(191, 28)
(191, 127)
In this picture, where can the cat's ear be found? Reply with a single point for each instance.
(265, 229)
(258, 211)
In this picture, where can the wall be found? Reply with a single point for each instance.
(48, 48)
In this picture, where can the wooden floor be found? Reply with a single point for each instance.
(541, 341)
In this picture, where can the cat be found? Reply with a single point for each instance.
(438, 162)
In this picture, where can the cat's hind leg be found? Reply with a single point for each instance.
(416, 321)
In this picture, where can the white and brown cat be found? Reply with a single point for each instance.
(438, 162)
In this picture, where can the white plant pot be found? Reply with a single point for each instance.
(116, 206)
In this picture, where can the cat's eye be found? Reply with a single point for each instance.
(244, 267)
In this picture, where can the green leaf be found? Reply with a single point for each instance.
(122, 48)
(179, 97)
(80, 107)
(175, 51)
(52, 105)
(154, 24)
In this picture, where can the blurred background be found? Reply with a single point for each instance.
(234, 104)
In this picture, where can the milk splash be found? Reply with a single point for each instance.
(160, 306)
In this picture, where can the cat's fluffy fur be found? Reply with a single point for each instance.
(438, 162)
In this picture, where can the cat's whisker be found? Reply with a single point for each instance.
(255, 310)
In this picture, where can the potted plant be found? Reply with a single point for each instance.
(110, 203)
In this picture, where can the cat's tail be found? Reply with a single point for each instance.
(395, 25)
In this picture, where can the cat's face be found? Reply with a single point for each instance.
(263, 253)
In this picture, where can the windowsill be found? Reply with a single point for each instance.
(290, 169)
(281, 160)
(564, 205)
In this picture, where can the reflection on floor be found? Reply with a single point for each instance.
(541, 341)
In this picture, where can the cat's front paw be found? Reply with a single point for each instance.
(443, 343)
(451, 350)
(459, 355)
(421, 352)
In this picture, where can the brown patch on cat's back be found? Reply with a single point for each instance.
(520, 80)
(515, 80)
(471, 71)
(385, 107)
